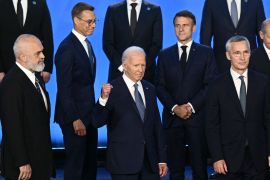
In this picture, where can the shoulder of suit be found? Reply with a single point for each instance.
(169, 49)
(117, 5)
(148, 85)
(150, 4)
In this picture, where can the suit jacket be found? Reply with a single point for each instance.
(117, 36)
(259, 61)
(177, 87)
(217, 23)
(128, 136)
(38, 23)
(75, 82)
(25, 127)
(228, 130)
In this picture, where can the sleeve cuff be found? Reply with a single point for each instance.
(102, 102)
(193, 110)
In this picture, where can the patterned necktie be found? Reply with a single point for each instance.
(234, 13)
(20, 13)
(133, 18)
(90, 53)
(139, 101)
(242, 94)
(37, 86)
(183, 58)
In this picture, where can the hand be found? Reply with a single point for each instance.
(2, 75)
(79, 127)
(183, 111)
(163, 169)
(25, 172)
(46, 76)
(268, 161)
(220, 167)
(106, 90)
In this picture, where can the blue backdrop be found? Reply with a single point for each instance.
(62, 24)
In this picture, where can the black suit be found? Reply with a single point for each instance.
(117, 36)
(76, 100)
(217, 24)
(38, 23)
(259, 61)
(177, 87)
(130, 139)
(25, 126)
(229, 132)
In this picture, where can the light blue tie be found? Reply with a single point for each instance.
(242, 94)
(234, 13)
(139, 101)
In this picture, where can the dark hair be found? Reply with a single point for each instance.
(185, 13)
(79, 8)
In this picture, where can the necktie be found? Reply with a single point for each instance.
(234, 13)
(90, 53)
(183, 59)
(37, 86)
(133, 18)
(139, 101)
(242, 94)
(20, 13)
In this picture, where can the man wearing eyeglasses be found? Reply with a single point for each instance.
(238, 117)
(75, 69)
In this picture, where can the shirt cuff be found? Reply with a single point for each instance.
(193, 110)
(102, 102)
(173, 109)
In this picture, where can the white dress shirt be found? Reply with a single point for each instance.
(130, 85)
(32, 78)
(24, 7)
(237, 81)
(138, 8)
(267, 51)
(238, 4)
(81, 39)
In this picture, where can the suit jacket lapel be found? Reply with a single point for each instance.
(233, 93)
(251, 87)
(191, 57)
(244, 5)
(124, 17)
(147, 96)
(226, 12)
(140, 19)
(11, 14)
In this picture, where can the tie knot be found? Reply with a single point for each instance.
(133, 5)
(241, 78)
(184, 48)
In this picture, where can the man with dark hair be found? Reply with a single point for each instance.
(20, 17)
(25, 115)
(128, 106)
(260, 57)
(238, 117)
(132, 22)
(183, 73)
(76, 70)
(222, 19)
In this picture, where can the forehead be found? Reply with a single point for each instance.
(182, 20)
(136, 57)
(239, 46)
(88, 14)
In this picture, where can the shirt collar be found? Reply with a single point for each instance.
(235, 75)
(188, 44)
(266, 49)
(129, 82)
(29, 74)
(136, 1)
(78, 35)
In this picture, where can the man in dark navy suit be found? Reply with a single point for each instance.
(183, 74)
(238, 117)
(128, 106)
(76, 71)
(222, 19)
(132, 23)
(260, 57)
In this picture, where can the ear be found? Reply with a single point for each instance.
(228, 56)
(76, 21)
(194, 28)
(261, 34)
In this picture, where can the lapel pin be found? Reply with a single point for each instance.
(34, 2)
(148, 8)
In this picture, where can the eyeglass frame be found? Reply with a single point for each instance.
(89, 22)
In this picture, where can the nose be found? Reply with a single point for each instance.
(42, 56)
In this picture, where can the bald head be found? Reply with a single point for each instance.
(28, 52)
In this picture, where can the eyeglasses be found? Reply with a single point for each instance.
(89, 22)
(239, 54)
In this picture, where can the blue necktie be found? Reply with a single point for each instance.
(242, 94)
(234, 13)
(139, 101)
(90, 53)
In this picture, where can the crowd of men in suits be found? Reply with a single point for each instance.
(215, 100)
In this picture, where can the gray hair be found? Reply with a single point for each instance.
(236, 38)
(18, 45)
(131, 49)
(264, 25)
